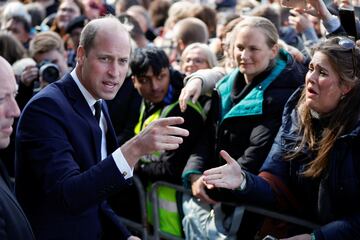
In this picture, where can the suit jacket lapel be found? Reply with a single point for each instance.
(82, 108)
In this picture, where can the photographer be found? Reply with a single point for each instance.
(47, 49)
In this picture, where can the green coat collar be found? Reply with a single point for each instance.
(252, 104)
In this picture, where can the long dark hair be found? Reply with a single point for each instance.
(346, 114)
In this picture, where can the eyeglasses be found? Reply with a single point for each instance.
(196, 61)
(349, 44)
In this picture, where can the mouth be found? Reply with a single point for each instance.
(157, 94)
(312, 91)
(244, 64)
(7, 130)
(110, 85)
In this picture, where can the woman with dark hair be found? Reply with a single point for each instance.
(315, 156)
(67, 11)
(10, 47)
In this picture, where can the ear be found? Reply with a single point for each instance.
(275, 51)
(181, 45)
(135, 83)
(80, 55)
(133, 79)
(345, 89)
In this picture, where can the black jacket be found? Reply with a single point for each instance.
(13, 222)
(170, 164)
(246, 136)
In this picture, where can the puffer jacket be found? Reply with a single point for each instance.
(247, 126)
(331, 200)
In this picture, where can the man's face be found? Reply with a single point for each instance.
(8, 106)
(56, 57)
(151, 87)
(53, 56)
(17, 28)
(103, 69)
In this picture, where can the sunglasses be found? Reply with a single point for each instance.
(349, 44)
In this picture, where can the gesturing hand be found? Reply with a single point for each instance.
(157, 136)
(191, 90)
(198, 189)
(228, 176)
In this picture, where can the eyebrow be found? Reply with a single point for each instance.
(322, 68)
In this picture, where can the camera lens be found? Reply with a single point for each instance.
(49, 72)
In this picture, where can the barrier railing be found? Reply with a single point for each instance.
(158, 234)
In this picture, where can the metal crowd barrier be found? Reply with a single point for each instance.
(157, 234)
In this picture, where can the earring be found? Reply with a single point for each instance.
(342, 96)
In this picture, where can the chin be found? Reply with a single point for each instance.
(108, 96)
(4, 143)
(156, 101)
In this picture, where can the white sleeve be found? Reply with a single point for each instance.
(122, 164)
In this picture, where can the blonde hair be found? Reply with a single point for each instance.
(44, 42)
(205, 49)
(261, 23)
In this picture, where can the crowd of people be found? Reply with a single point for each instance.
(239, 102)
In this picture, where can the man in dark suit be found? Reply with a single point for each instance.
(68, 161)
(13, 222)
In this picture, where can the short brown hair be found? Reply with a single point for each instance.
(46, 41)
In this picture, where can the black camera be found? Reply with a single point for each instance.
(48, 71)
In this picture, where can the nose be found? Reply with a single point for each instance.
(244, 54)
(113, 70)
(155, 84)
(13, 110)
(311, 77)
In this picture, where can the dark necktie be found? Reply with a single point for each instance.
(97, 107)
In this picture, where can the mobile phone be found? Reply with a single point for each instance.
(347, 20)
(294, 3)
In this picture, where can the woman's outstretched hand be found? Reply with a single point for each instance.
(228, 176)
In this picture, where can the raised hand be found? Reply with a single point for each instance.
(29, 75)
(228, 176)
(318, 8)
(159, 135)
(299, 20)
(191, 91)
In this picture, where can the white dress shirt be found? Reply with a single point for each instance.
(119, 159)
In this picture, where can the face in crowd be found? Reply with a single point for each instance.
(252, 52)
(194, 60)
(323, 88)
(103, 67)
(153, 87)
(68, 10)
(8, 106)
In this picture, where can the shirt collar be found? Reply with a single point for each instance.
(88, 97)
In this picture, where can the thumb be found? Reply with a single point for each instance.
(226, 157)
(196, 96)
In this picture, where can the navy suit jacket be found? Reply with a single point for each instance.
(13, 222)
(61, 181)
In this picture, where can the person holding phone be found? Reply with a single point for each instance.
(315, 154)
